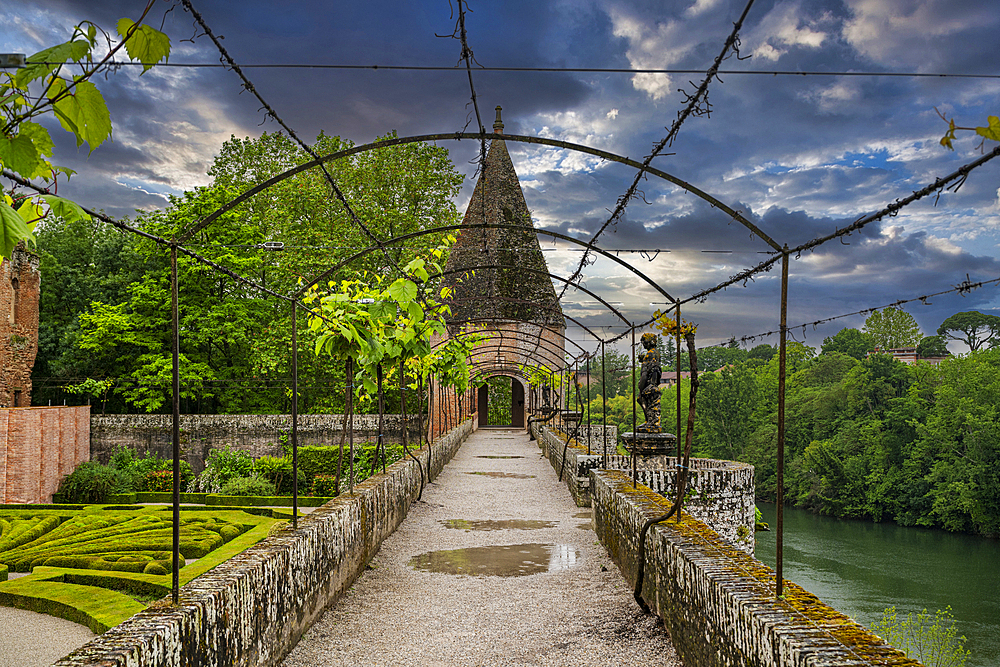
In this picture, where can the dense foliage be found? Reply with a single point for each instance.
(865, 438)
(105, 312)
(126, 472)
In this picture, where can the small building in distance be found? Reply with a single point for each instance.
(669, 378)
(20, 283)
(908, 355)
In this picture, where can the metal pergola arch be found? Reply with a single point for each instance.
(554, 276)
(450, 228)
(458, 136)
(508, 320)
(175, 243)
(543, 306)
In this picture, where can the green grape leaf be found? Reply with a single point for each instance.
(415, 312)
(64, 208)
(403, 290)
(12, 229)
(60, 53)
(992, 131)
(84, 113)
(30, 212)
(146, 44)
(382, 309)
(20, 155)
(39, 136)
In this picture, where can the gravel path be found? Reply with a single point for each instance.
(28, 639)
(579, 612)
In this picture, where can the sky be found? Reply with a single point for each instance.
(800, 156)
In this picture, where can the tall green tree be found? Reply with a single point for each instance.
(892, 328)
(973, 328)
(82, 261)
(615, 370)
(851, 342)
(393, 191)
(932, 346)
(236, 341)
(726, 411)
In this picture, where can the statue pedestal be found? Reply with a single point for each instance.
(650, 444)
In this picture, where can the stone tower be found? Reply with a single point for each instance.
(498, 199)
(516, 304)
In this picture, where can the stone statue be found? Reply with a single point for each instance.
(649, 385)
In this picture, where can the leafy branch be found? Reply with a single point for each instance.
(991, 131)
(26, 146)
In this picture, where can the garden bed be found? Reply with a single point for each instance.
(101, 564)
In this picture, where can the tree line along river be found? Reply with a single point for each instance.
(861, 567)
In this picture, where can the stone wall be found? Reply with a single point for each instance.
(38, 447)
(252, 609)
(258, 435)
(720, 493)
(20, 282)
(717, 601)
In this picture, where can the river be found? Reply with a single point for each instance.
(860, 568)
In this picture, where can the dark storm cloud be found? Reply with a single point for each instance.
(799, 156)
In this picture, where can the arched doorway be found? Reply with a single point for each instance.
(501, 402)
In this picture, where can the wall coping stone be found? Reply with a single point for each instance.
(718, 602)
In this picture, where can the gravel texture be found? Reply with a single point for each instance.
(580, 613)
(28, 639)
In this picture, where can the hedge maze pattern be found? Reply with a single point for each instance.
(98, 565)
(115, 541)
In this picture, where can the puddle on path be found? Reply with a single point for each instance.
(509, 475)
(583, 515)
(511, 524)
(490, 456)
(513, 560)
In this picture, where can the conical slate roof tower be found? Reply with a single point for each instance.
(498, 199)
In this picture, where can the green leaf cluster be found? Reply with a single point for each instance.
(930, 638)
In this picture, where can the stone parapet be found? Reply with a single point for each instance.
(717, 601)
(252, 609)
(720, 493)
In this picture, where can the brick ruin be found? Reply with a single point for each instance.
(20, 282)
(515, 307)
(38, 446)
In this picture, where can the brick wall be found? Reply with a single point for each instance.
(20, 281)
(38, 447)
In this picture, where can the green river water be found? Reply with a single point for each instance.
(860, 568)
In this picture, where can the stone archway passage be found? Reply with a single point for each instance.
(511, 413)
